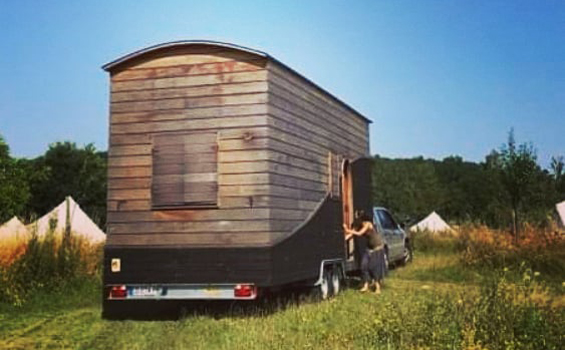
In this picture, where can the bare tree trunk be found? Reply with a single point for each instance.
(515, 226)
(67, 219)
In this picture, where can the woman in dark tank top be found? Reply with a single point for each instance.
(373, 266)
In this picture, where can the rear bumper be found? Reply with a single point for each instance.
(229, 291)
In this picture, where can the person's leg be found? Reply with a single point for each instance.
(365, 272)
(379, 270)
(378, 286)
(373, 269)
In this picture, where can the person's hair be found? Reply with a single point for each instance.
(360, 217)
(363, 216)
(357, 223)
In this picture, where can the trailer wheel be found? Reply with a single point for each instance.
(323, 290)
(335, 281)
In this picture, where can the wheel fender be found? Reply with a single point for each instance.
(328, 263)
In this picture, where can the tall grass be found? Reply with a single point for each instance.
(489, 250)
(486, 250)
(518, 300)
(11, 249)
(49, 264)
(508, 306)
(500, 316)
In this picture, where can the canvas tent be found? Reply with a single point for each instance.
(81, 224)
(13, 229)
(560, 207)
(432, 223)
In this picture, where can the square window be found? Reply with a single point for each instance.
(185, 170)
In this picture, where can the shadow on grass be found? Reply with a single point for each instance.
(444, 274)
(151, 310)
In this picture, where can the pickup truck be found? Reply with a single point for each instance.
(398, 247)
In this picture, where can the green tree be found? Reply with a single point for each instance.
(520, 175)
(558, 176)
(468, 189)
(408, 187)
(14, 187)
(66, 169)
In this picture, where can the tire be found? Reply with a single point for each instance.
(323, 290)
(387, 265)
(335, 282)
(407, 257)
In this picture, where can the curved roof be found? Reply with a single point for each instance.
(183, 43)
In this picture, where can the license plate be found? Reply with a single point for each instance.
(145, 291)
(212, 291)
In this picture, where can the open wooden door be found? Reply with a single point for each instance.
(357, 193)
(361, 184)
(347, 202)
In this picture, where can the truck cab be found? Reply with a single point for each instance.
(397, 241)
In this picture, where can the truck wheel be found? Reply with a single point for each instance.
(407, 253)
(336, 281)
(387, 265)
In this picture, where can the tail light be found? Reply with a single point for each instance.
(118, 292)
(245, 291)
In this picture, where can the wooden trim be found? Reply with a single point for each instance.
(188, 92)
(207, 68)
(187, 81)
(190, 114)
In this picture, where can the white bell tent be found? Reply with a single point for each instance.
(433, 223)
(13, 229)
(560, 207)
(81, 224)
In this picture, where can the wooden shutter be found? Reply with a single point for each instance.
(201, 175)
(185, 170)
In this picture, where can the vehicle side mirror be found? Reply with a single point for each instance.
(406, 224)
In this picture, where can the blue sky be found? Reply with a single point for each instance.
(437, 78)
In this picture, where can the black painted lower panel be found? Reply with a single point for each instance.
(294, 259)
(189, 265)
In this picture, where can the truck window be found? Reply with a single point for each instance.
(185, 170)
(387, 222)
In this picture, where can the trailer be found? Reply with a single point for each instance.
(229, 174)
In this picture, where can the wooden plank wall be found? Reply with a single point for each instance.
(279, 140)
(314, 131)
(195, 89)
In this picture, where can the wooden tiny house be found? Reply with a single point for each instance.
(226, 166)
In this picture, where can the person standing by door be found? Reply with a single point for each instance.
(373, 267)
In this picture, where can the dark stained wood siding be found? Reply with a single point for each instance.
(280, 141)
(200, 90)
(314, 132)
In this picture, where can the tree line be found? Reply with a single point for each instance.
(30, 188)
(506, 189)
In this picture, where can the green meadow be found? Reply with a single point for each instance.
(454, 295)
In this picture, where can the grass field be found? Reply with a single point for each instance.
(436, 302)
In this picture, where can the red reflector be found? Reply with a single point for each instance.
(244, 291)
(118, 292)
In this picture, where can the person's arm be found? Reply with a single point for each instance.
(361, 232)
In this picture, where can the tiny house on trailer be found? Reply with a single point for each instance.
(228, 174)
